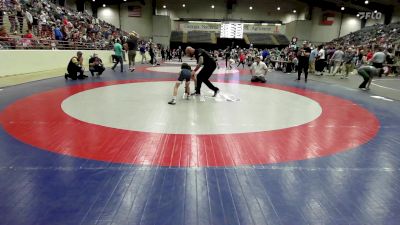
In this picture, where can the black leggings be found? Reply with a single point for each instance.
(203, 77)
(302, 66)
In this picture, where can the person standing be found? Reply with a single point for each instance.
(378, 58)
(303, 55)
(143, 53)
(348, 62)
(20, 15)
(258, 71)
(209, 65)
(227, 56)
(242, 59)
(2, 9)
(152, 55)
(313, 56)
(337, 60)
(118, 55)
(320, 60)
(132, 46)
(180, 53)
(163, 54)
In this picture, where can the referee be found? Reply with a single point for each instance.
(209, 65)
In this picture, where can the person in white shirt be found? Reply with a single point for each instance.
(258, 71)
(320, 60)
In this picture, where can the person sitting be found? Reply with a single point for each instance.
(96, 65)
(75, 67)
(258, 71)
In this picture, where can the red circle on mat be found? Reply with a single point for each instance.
(38, 120)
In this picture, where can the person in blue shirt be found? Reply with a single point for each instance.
(58, 34)
(184, 75)
(265, 53)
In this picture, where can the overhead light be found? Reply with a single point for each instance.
(164, 6)
(212, 6)
(358, 15)
(265, 24)
(366, 2)
(376, 11)
(251, 7)
(124, 0)
(294, 11)
(183, 5)
(278, 24)
(94, 0)
(104, 5)
(279, 8)
(342, 8)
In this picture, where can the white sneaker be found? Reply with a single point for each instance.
(172, 102)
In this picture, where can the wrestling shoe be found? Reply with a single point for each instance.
(172, 102)
(216, 93)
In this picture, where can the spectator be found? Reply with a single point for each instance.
(12, 4)
(2, 9)
(337, 60)
(58, 34)
(242, 59)
(29, 19)
(96, 65)
(20, 15)
(118, 55)
(75, 67)
(320, 60)
(28, 34)
(3, 34)
(377, 60)
(313, 57)
(163, 53)
(143, 53)
(131, 48)
(180, 53)
(152, 55)
(348, 60)
(258, 71)
(303, 57)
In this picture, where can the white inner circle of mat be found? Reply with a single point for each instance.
(143, 107)
(177, 69)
